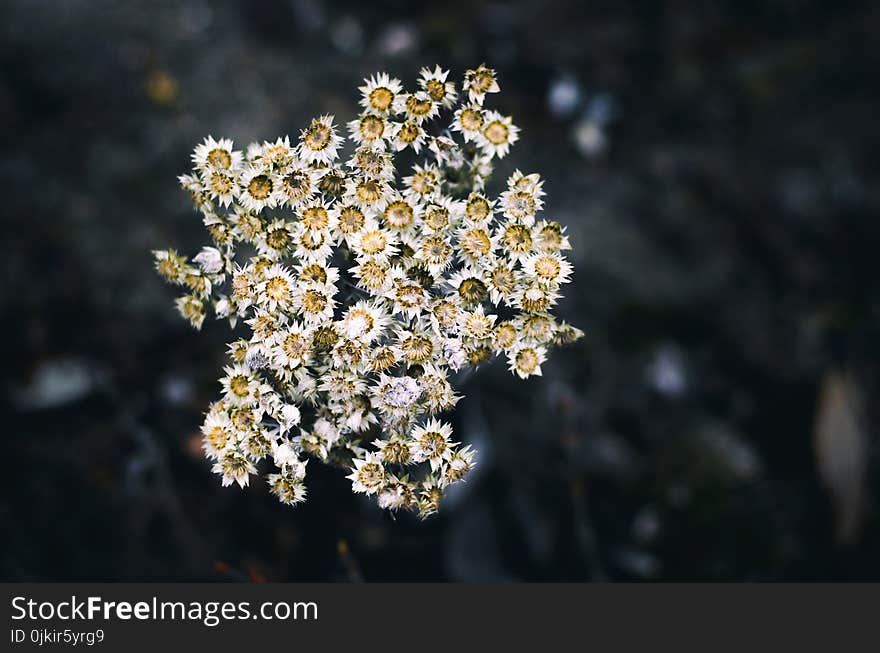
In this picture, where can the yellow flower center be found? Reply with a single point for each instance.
(432, 443)
(473, 291)
(399, 214)
(316, 218)
(436, 250)
(297, 184)
(446, 313)
(408, 132)
(482, 82)
(314, 301)
(217, 437)
(277, 288)
(527, 360)
(368, 191)
(418, 107)
(220, 184)
(503, 279)
(423, 183)
(260, 187)
(381, 98)
(317, 136)
(477, 208)
(351, 219)
(547, 267)
(437, 217)
(314, 273)
(371, 475)
(294, 345)
(373, 275)
(476, 243)
(417, 349)
(220, 158)
(496, 132)
(239, 385)
(372, 127)
(505, 335)
(478, 325)
(278, 239)
(517, 238)
(373, 242)
(436, 89)
(471, 120)
(396, 453)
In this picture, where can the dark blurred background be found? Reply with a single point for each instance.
(716, 164)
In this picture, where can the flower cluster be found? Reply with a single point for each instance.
(363, 291)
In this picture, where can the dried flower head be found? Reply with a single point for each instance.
(365, 288)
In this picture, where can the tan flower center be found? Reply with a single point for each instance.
(505, 335)
(368, 191)
(547, 267)
(351, 219)
(408, 132)
(496, 132)
(381, 98)
(314, 273)
(373, 242)
(437, 217)
(371, 475)
(399, 214)
(417, 349)
(373, 275)
(518, 238)
(316, 218)
(436, 89)
(473, 291)
(527, 360)
(220, 158)
(372, 127)
(220, 184)
(418, 107)
(477, 208)
(239, 385)
(314, 301)
(476, 243)
(471, 120)
(260, 187)
(317, 136)
(277, 288)
(294, 345)
(278, 239)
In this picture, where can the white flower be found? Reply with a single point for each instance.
(547, 268)
(499, 133)
(525, 361)
(434, 83)
(258, 190)
(400, 392)
(284, 454)
(319, 143)
(453, 354)
(213, 155)
(478, 82)
(431, 442)
(362, 288)
(367, 476)
(365, 321)
(234, 467)
(290, 416)
(379, 93)
(370, 129)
